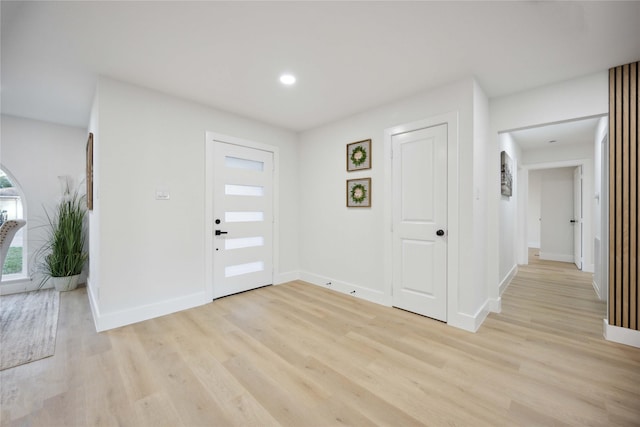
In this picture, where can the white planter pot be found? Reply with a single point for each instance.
(68, 283)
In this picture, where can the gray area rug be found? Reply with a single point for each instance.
(28, 326)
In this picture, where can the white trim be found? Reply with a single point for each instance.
(453, 227)
(494, 305)
(377, 297)
(472, 323)
(21, 284)
(596, 288)
(93, 303)
(106, 321)
(210, 138)
(547, 256)
(621, 335)
(6, 279)
(286, 277)
(507, 280)
(588, 268)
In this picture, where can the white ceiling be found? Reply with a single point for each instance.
(567, 133)
(348, 56)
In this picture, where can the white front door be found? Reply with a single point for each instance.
(577, 217)
(419, 186)
(243, 219)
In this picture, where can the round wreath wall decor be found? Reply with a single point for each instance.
(358, 193)
(358, 156)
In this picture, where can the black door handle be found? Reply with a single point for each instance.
(440, 232)
(572, 220)
(219, 232)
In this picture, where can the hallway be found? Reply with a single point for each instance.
(554, 298)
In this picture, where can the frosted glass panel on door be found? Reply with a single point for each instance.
(243, 242)
(237, 163)
(240, 269)
(243, 216)
(243, 190)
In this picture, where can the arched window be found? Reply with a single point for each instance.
(12, 207)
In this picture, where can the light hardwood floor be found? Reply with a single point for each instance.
(300, 355)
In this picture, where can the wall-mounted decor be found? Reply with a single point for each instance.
(359, 193)
(89, 178)
(506, 177)
(359, 155)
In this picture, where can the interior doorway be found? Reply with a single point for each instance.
(555, 214)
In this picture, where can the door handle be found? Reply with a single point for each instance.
(572, 221)
(219, 232)
(440, 232)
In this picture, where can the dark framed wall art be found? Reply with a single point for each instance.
(359, 193)
(506, 177)
(359, 155)
(89, 178)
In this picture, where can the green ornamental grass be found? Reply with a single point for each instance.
(63, 253)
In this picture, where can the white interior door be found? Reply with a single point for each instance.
(243, 219)
(577, 217)
(419, 186)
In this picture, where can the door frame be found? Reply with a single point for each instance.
(578, 195)
(210, 151)
(451, 120)
(522, 219)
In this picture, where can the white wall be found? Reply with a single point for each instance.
(36, 153)
(600, 218)
(533, 209)
(508, 249)
(556, 207)
(577, 98)
(349, 247)
(151, 252)
(481, 144)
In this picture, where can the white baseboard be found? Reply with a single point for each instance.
(288, 276)
(621, 335)
(596, 288)
(463, 321)
(556, 257)
(377, 297)
(495, 305)
(534, 245)
(467, 322)
(106, 321)
(588, 268)
(504, 284)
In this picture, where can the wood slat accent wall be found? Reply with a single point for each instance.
(624, 104)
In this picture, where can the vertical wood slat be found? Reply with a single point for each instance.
(624, 166)
(633, 197)
(618, 197)
(624, 105)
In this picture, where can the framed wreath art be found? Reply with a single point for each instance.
(359, 193)
(359, 155)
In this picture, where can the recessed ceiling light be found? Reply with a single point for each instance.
(287, 79)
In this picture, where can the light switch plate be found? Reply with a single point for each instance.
(162, 195)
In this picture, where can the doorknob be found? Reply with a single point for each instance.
(219, 232)
(440, 232)
(572, 221)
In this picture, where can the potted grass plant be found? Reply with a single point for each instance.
(63, 255)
